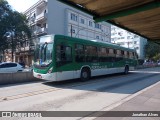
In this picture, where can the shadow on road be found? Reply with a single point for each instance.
(129, 84)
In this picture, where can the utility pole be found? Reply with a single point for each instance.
(71, 30)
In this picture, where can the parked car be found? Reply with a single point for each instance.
(30, 69)
(149, 64)
(10, 67)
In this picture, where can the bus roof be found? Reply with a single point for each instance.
(94, 42)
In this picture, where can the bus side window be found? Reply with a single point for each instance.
(111, 53)
(91, 54)
(58, 53)
(102, 54)
(126, 53)
(79, 53)
(63, 55)
(68, 54)
(122, 53)
(131, 55)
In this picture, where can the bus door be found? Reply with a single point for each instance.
(64, 61)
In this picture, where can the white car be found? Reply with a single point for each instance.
(28, 69)
(10, 67)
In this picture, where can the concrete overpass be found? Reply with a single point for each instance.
(141, 17)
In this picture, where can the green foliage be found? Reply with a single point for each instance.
(152, 50)
(4, 9)
(157, 57)
(11, 22)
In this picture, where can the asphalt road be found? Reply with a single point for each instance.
(94, 95)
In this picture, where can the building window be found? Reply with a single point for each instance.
(113, 28)
(90, 23)
(73, 17)
(113, 34)
(82, 20)
(135, 36)
(98, 26)
(44, 25)
(97, 37)
(128, 37)
(135, 42)
(28, 18)
(137, 48)
(27, 43)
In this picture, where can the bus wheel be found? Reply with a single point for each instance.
(126, 70)
(85, 74)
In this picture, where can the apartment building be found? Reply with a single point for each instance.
(54, 17)
(129, 40)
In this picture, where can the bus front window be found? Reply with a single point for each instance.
(43, 54)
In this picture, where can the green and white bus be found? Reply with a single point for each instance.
(59, 57)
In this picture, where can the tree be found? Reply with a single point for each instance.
(152, 50)
(4, 9)
(12, 23)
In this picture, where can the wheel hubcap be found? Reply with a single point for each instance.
(84, 75)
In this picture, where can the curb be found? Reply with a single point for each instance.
(114, 105)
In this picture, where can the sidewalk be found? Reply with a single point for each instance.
(144, 100)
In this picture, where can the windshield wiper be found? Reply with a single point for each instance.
(45, 65)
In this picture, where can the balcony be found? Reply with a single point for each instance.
(25, 48)
(32, 48)
(32, 21)
(41, 17)
(40, 31)
(42, 4)
(22, 49)
(17, 50)
(33, 33)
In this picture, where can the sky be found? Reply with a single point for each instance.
(21, 5)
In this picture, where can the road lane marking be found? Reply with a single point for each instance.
(23, 95)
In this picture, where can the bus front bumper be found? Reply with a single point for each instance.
(48, 76)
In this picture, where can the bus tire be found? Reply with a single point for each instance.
(126, 70)
(85, 74)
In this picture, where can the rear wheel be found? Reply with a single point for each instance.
(85, 74)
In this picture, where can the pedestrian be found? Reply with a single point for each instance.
(21, 62)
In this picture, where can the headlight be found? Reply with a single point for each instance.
(50, 70)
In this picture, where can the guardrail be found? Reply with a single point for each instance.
(18, 77)
(146, 66)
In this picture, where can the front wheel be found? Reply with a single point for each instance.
(85, 75)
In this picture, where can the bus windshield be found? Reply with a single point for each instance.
(43, 54)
